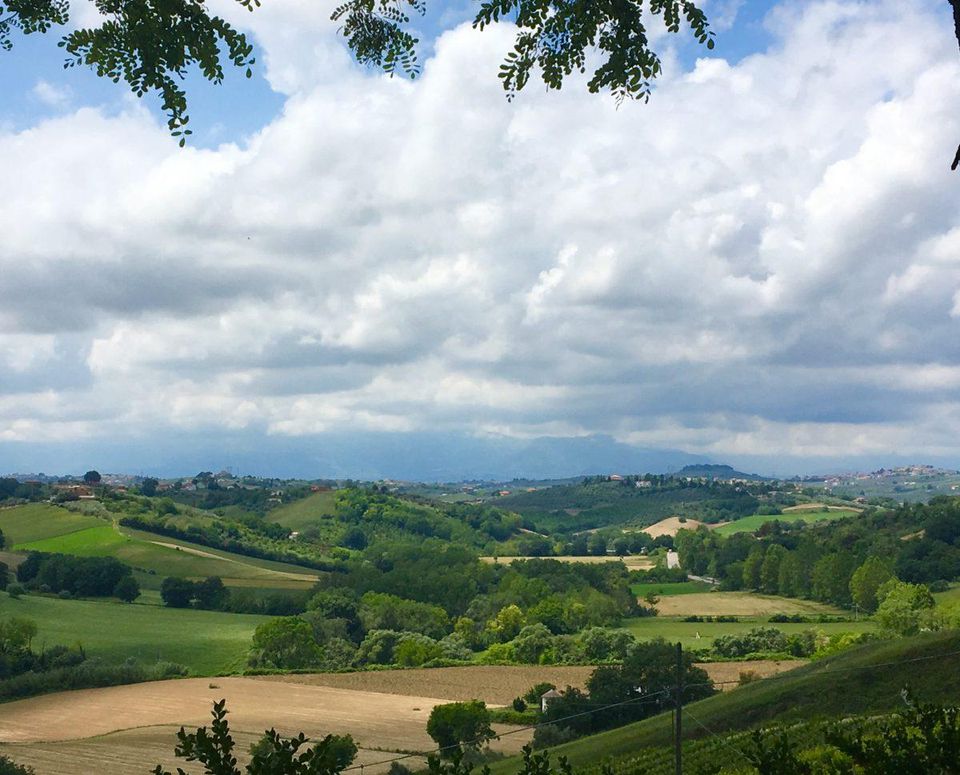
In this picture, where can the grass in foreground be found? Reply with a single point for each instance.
(206, 642)
(866, 679)
(753, 523)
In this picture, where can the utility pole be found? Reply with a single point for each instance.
(677, 713)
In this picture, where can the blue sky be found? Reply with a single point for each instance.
(239, 106)
(347, 272)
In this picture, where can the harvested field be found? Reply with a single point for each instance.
(670, 526)
(119, 726)
(495, 685)
(498, 685)
(738, 604)
(818, 507)
(634, 563)
(723, 672)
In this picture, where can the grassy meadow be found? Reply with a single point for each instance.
(306, 511)
(47, 528)
(700, 635)
(207, 642)
(38, 521)
(753, 523)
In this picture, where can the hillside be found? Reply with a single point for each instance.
(637, 502)
(205, 642)
(713, 471)
(872, 677)
(49, 528)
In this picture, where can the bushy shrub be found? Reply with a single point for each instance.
(414, 650)
(549, 735)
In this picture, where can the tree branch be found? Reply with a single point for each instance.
(956, 28)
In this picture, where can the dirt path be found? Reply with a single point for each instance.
(211, 555)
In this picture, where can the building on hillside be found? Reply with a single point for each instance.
(673, 559)
(547, 698)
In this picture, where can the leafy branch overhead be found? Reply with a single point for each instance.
(151, 44)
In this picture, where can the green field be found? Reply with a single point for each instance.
(753, 523)
(307, 511)
(207, 642)
(866, 679)
(145, 552)
(667, 590)
(45, 528)
(678, 631)
(37, 521)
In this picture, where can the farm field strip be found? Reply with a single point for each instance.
(667, 527)
(700, 635)
(669, 589)
(634, 563)
(37, 521)
(306, 511)
(168, 556)
(93, 720)
(494, 684)
(755, 522)
(740, 604)
(207, 642)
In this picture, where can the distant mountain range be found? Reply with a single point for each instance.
(422, 456)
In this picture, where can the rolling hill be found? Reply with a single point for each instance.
(865, 679)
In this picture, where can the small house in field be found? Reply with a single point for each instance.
(548, 697)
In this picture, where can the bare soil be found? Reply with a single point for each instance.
(736, 604)
(126, 729)
(670, 526)
(494, 684)
(723, 673)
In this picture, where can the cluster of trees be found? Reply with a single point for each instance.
(600, 502)
(256, 498)
(14, 490)
(764, 642)
(211, 594)
(253, 538)
(843, 563)
(380, 516)
(597, 543)
(642, 685)
(17, 655)
(533, 611)
(78, 576)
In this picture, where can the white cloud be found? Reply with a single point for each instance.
(763, 260)
(51, 95)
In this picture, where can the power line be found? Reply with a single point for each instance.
(644, 699)
(722, 740)
(648, 699)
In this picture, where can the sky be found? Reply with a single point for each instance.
(348, 274)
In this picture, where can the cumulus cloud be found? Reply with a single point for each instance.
(761, 261)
